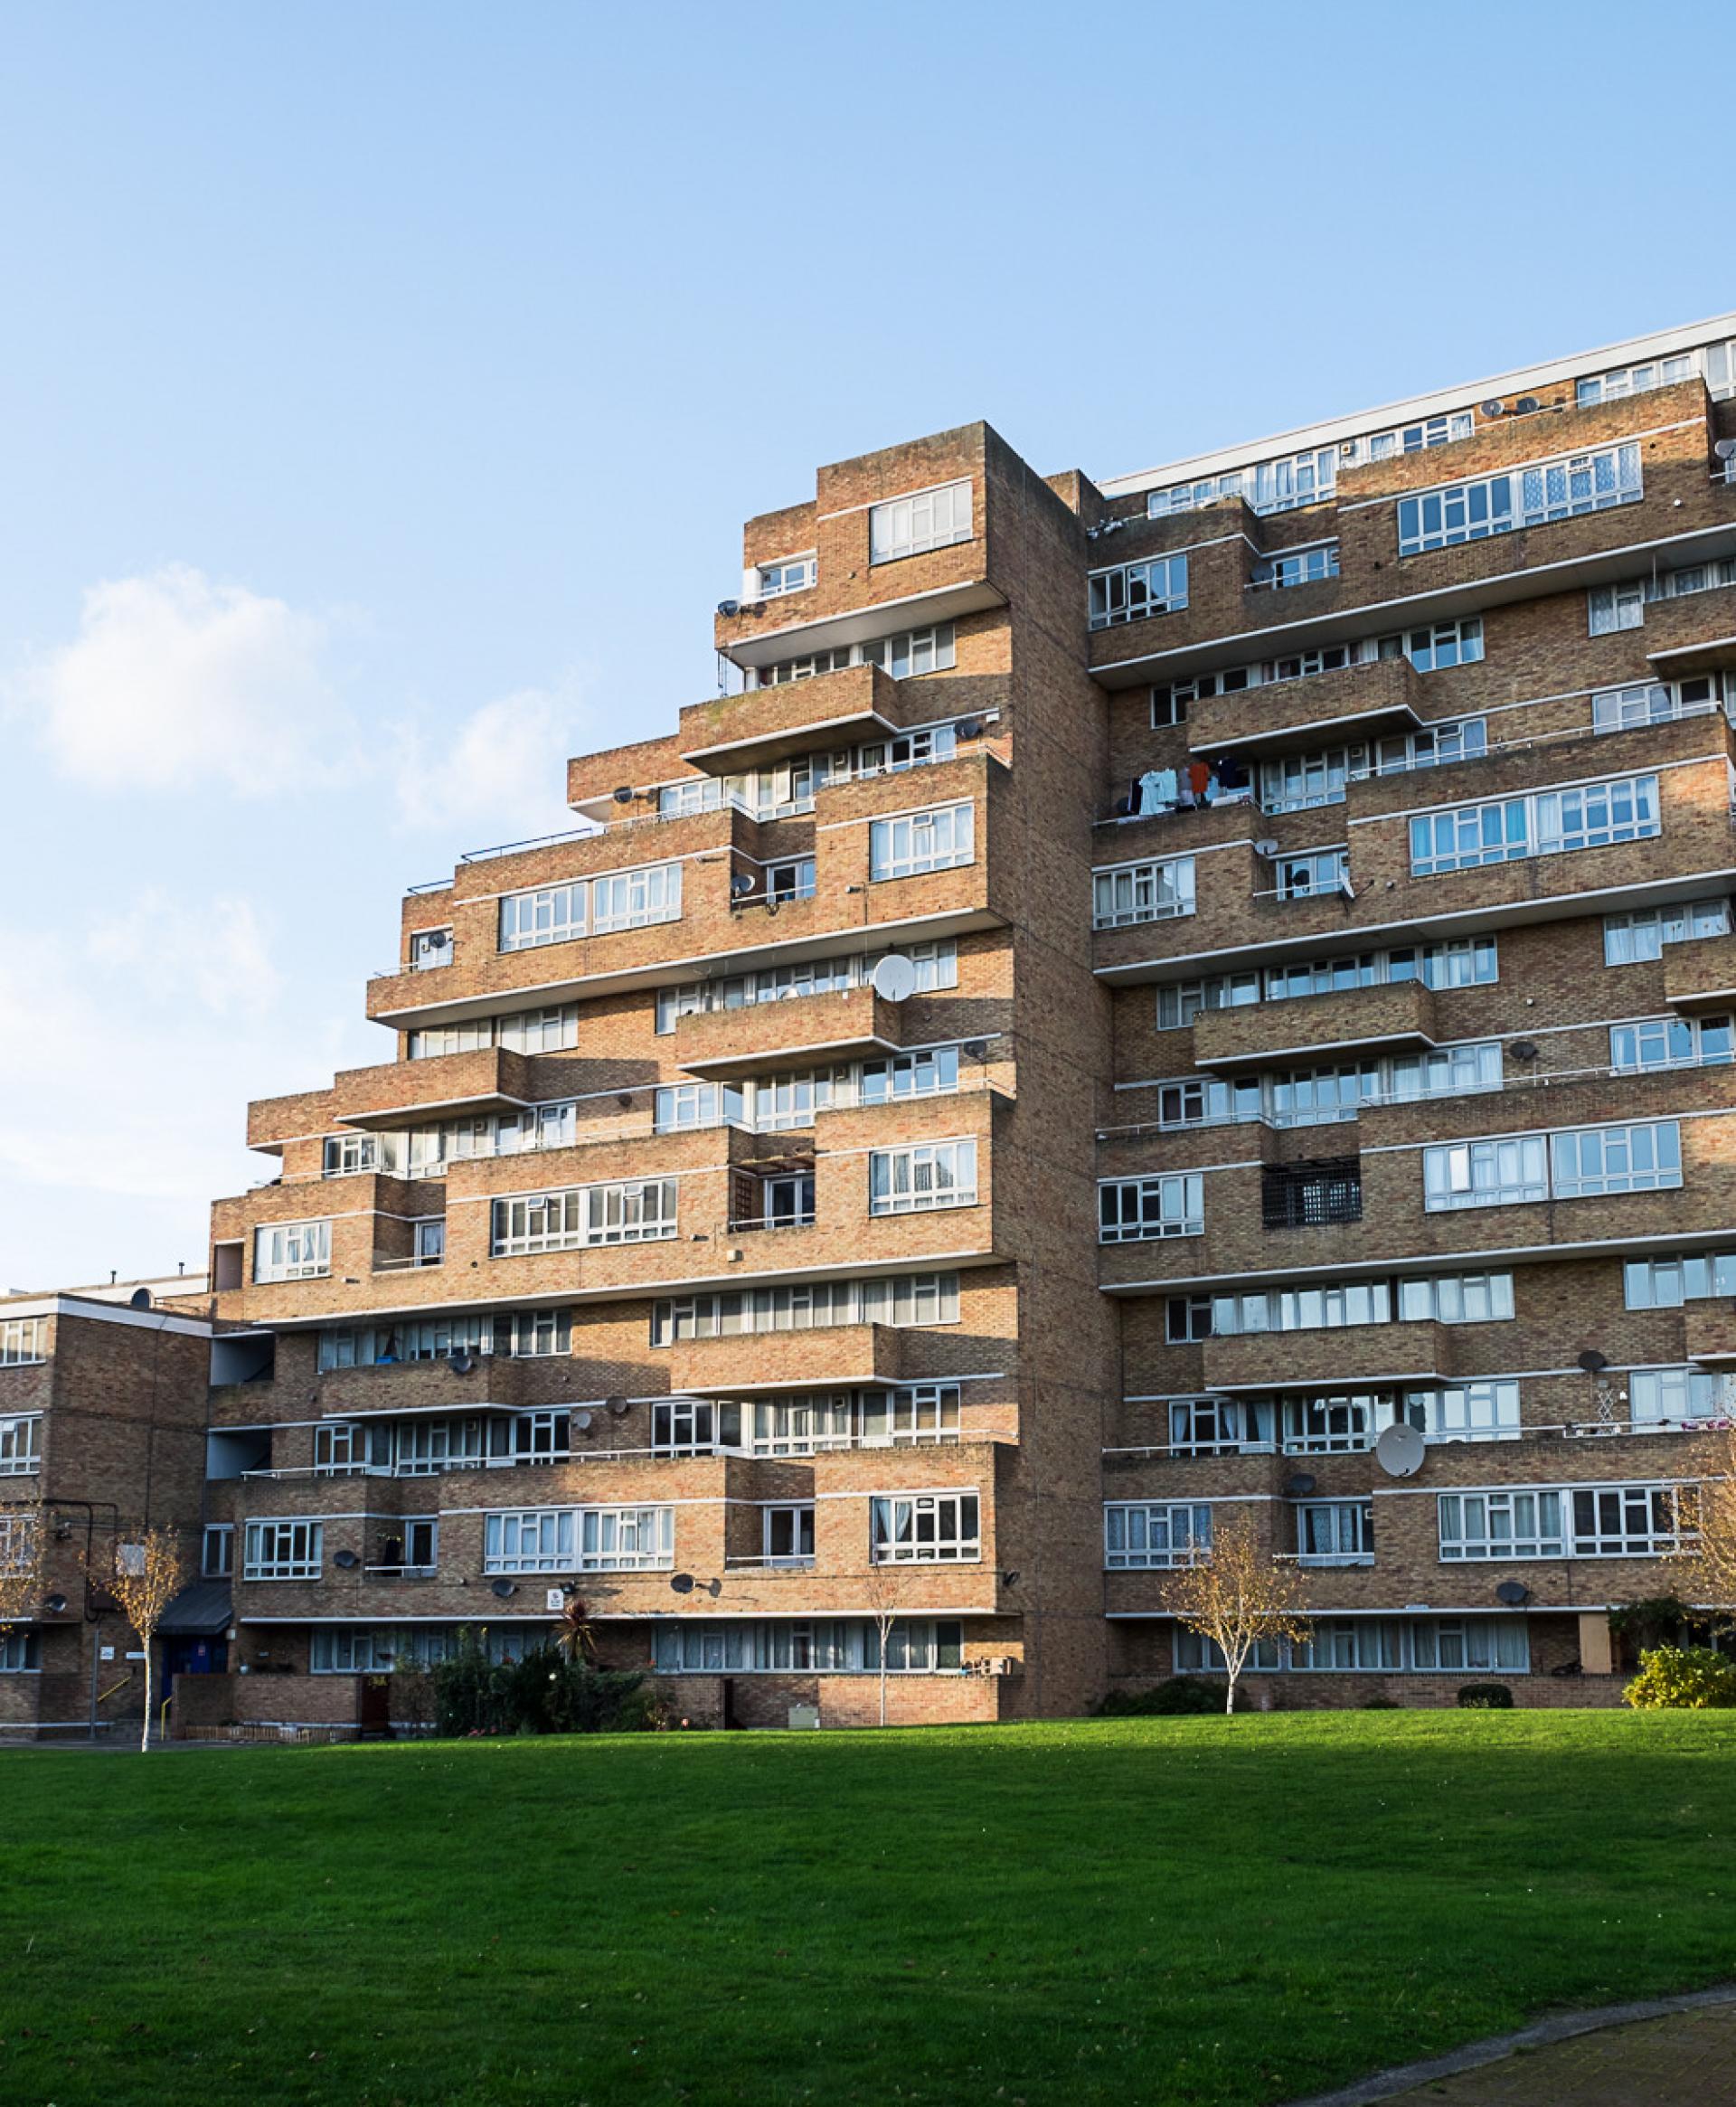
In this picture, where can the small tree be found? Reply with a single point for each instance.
(888, 1591)
(1235, 1593)
(147, 1575)
(1706, 1518)
(22, 1542)
(576, 1639)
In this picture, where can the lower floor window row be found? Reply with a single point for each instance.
(1586, 1521)
(844, 1645)
(360, 1650)
(1377, 1645)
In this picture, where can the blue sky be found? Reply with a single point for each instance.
(384, 387)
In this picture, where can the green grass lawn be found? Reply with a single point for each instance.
(1173, 1910)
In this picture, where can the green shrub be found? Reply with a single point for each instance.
(1692, 1678)
(1485, 1697)
(1381, 1704)
(1180, 1694)
(543, 1693)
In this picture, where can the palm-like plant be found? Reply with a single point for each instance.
(577, 1637)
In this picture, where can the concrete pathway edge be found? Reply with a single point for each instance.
(1564, 2027)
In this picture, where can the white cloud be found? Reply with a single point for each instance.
(215, 955)
(504, 766)
(175, 680)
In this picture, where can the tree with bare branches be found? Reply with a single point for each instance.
(147, 1575)
(888, 1589)
(23, 1540)
(1235, 1593)
(1706, 1518)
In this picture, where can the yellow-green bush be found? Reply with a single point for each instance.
(1683, 1678)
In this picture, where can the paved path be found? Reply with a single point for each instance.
(1677, 2051)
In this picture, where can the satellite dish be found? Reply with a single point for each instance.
(1494, 407)
(682, 1582)
(1593, 1362)
(1299, 1486)
(623, 794)
(1725, 449)
(1400, 1450)
(460, 1364)
(728, 606)
(976, 1048)
(55, 1604)
(972, 727)
(740, 885)
(619, 1406)
(715, 1588)
(1522, 1050)
(1265, 849)
(1512, 1593)
(894, 979)
(506, 1589)
(140, 1299)
(1525, 405)
(581, 1420)
(346, 1559)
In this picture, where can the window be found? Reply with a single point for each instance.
(340, 1449)
(1220, 1426)
(1335, 1533)
(1467, 1411)
(1668, 1283)
(541, 1031)
(418, 1547)
(21, 1445)
(282, 1551)
(909, 750)
(1343, 1425)
(430, 947)
(1546, 823)
(1275, 485)
(1631, 939)
(1501, 1525)
(1142, 893)
(1304, 877)
(348, 1153)
(789, 574)
(925, 1528)
(1301, 783)
(682, 1107)
(1452, 1644)
(1441, 645)
(1327, 1306)
(1186, 1319)
(909, 654)
(789, 1537)
(217, 1550)
(579, 1540)
(807, 1305)
(1590, 1160)
(1457, 1297)
(1670, 1043)
(791, 879)
(433, 1042)
(1306, 1196)
(1129, 1210)
(1297, 566)
(1143, 1534)
(931, 1073)
(914, 842)
(637, 1212)
(1199, 1103)
(1484, 1174)
(1621, 380)
(1459, 962)
(691, 1426)
(932, 519)
(1371, 1644)
(552, 914)
(292, 1250)
(930, 1174)
(1168, 707)
(21, 1653)
(1610, 607)
(1624, 1521)
(1408, 439)
(1195, 1652)
(1132, 590)
(934, 964)
(1678, 1396)
(917, 1645)
(1498, 504)
(1655, 702)
(23, 1340)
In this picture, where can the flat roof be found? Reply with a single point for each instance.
(1657, 344)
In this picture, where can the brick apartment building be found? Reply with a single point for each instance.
(102, 1429)
(1143, 988)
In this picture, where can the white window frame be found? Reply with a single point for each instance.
(303, 1250)
(1129, 592)
(905, 844)
(1639, 936)
(1137, 1209)
(1530, 495)
(281, 1549)
(937, 518)
(786, 574)
(787, 1533)
(925, 1528)
(1148, 1535)
(922, 1176)
(1542, 823)
(24, 1341)
(1651, 1044)
(582, 1217)
(1508, 1523)
(1335, 1532)
(21, 1444)
(1153, 890)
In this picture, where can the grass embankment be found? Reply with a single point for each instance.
(1181, 1910)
